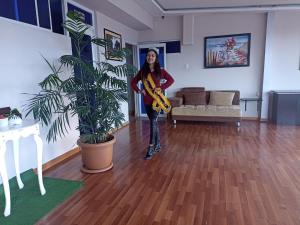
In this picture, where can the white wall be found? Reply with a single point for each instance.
(135, 11)
(128, 36)
(21, 68)
(282, 62)
(245, 79)
(169, 28)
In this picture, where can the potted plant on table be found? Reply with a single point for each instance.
(93, 93)
(15, 117)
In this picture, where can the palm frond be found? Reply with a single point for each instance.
(44, 104)
(52, 81)
(59, 127)
(119, 70)
(100, 42)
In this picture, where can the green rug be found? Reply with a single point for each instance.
(27, 204)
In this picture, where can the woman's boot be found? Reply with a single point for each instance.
(157, 141)
(157, 148)
(149, 153)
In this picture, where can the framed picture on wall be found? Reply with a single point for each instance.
(227, 51)
(114, 43)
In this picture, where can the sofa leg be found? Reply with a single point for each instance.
(238, 125)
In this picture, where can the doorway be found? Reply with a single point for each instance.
(142, 53)
(131, 60)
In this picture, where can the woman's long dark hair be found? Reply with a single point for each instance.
(146, 68)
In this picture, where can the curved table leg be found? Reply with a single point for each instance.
(39, 149)
(3, 174)
(16, 157)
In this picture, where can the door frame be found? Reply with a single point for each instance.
(138, 109)
(134, 63)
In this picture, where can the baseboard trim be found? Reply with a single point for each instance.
(264, 120)
(250, 118)
(116, 129)
(54, 162)
(59, 159)
(255, 119)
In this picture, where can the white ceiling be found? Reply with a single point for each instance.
(107, 8)
(179, 4)
(169, 5)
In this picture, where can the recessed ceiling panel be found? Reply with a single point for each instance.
(193, 4)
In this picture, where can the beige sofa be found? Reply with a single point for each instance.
(196, 104)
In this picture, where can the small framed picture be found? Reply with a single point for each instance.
(114, 43)
(227, 51)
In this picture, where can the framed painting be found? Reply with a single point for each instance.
(114, 43)
(227, 51)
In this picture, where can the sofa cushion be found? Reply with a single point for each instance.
(179, 94)
(195, 98)
(208, 110)
(193, 89)
(221, 98)
(189, 90)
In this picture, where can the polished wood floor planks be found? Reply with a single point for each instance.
(206, 174)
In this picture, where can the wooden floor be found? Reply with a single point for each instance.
(206, 174)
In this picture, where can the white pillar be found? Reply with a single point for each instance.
(267, 76)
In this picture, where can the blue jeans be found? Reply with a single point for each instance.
(154, 131)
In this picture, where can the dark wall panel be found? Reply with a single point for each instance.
(57, 16)
(26, 11)
(43, 11)
(86, 16)
(173, 47)
(7, 9)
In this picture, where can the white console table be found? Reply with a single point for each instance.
(14, 133)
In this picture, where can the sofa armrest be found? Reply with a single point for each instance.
(176, 101)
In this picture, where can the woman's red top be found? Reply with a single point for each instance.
(158, 83)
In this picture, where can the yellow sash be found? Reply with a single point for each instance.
(159, 100)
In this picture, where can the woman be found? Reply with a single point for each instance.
(152, 66)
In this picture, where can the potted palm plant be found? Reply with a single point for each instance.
(92, 92)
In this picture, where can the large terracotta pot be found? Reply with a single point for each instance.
(96, 158)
